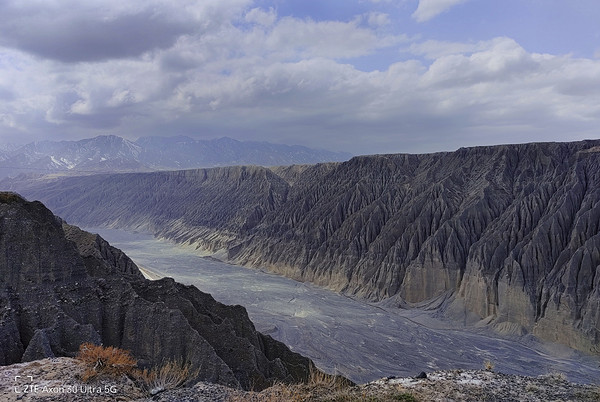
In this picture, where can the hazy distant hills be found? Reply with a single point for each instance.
(115, 154)
(187, 153)
(505, 235)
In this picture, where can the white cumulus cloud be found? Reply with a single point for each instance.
(376, 19)
(261, 17)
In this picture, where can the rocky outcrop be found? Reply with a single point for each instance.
(61, 286)
(506, 234)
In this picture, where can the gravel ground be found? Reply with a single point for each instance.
(58, 380)
(482, 385)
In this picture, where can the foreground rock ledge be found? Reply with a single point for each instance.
(53, 377)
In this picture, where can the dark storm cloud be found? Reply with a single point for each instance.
(75, 36)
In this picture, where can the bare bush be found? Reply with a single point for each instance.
(170, 375)
(109, 360)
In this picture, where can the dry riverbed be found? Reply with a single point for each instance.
(361, 341)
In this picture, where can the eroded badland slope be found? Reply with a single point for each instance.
(507, 234)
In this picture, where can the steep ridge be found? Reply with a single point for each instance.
(512, 232)
(210, 207)
(506, 234)
(61, 286)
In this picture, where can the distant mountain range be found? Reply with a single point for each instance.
(111, 153)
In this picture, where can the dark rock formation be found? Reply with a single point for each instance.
(61, 286)
(507, 234)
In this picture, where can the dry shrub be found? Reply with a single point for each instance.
(109, 360)
(318, 378)
(9, 198)
(304, 393)
(556, 376)
(320, 386)
(171, 375)
(276, 393)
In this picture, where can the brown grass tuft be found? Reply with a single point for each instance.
(10, 198)
(170, 375)
(322, 387)
(104, 360)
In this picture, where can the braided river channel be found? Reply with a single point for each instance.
(359, 340)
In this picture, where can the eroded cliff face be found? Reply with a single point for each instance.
(507, 234)
(61, 286)
(209, 207)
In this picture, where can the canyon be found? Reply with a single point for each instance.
(502, 236)
(360, 340)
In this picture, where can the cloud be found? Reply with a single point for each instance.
(496, 88)
(433, 49)
(250, 73)
(332, 39)
(429, 9)
(261, 17)
(88, 31)
(490, 88)
(502, 60)
(376, 19)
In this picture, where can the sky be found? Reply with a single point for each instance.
(360, 76)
